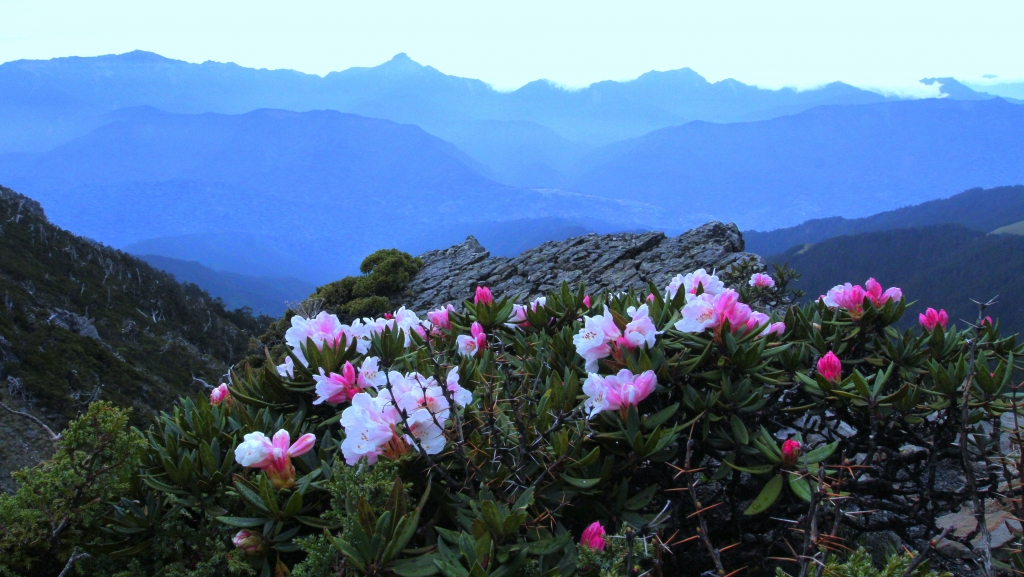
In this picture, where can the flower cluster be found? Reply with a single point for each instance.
(519, 312)
(617, 392)
(932, 318)
(695, 283)
(600, 334)
(325, 328)
(336, 389)
(372, 422)
(273, 456)
(472, 344)
(851, 297)
(712, 311)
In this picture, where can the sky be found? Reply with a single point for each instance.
(886, 45)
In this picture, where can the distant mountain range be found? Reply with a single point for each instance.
(982, 210)
(831, 160)
(939, 266)
(323, 187)
(282, 174)
(528, 137)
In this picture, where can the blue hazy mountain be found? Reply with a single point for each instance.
(832, 160)
(317, 190)
(530, 136)
(264, 295)
(979, 209)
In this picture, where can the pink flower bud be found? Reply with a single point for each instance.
(650, 298)
(829, 367)
(302, 445)
(987, 321)
(220, 395)
(932, 318)
(586, 301)
(593, 536)
(483, 296)
(250, 542)
(790, 452)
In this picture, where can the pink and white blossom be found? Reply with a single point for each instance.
(273, 456)
(593, 340)
(369, 424)
(324, 328)
(640, 331)
(370, 375)
(250, 542)
(519, 313)
(439, 318)
(460, 394)
(618, 391)
(219, 395)
(698, 280)
(472, 344)
(287, 368)
(337, 388)
(851, 297)
(761, 280)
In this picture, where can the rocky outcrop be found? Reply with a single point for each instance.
(610, 262)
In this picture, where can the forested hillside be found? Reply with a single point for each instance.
(981, 209)
(942, 266)
(82, 322)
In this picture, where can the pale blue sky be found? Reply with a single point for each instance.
(882, 44)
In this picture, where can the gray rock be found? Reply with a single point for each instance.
(881, 544)
(611, 262)
(78, 324)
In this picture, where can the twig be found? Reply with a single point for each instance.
(76, 556)
(53, 436)
(702, 530)
(965, 413)
(921, 556)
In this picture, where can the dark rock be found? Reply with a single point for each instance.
(612, 262)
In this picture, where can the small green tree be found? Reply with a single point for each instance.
(59, 503)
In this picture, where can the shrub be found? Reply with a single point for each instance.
(58, 506)
(707, 436)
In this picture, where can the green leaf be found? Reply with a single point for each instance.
(800, 487)
(641, 499)
(581, 483)
(243, 521)
(739, 430)
(493, 518)
(294, 505)
(821, 453)
(767, 497)
(754, 470)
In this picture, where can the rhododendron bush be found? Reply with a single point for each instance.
(677, 430)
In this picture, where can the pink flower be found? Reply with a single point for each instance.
(369, 374)
(931, 318)
(324, 328)
(586, 301)
(439, 318)
(879, 298)
(519, 313)
(790, 452)
(593, 341)
(987, 321)
(250, 542)
(829, 367)
(471, 345)
(369, 425)
(274, 457)
(641, 330)
(336, 389)
(220, 395)
(698, 281)
(483, 296)
(761, 280)
(593, 536)
(847, 296)
(707, 311)
(650, 298)
(776, 329)
(617, 392)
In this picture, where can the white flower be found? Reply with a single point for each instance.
(426, 430)
(254, 451)
(369, 425)
(370, 375)
(287, 368)
(698, 315)
(597, 391)
(323, 328)
(641, 330)
(461, 396)
(592, 340)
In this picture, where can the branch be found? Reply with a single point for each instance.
(76, 556)
(53, 436)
